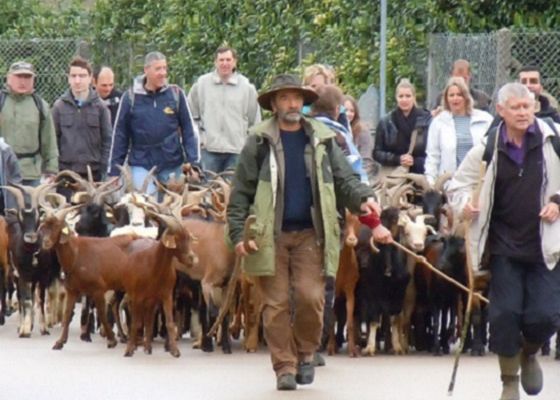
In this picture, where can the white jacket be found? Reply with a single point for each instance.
(466, 179)
(441, 150)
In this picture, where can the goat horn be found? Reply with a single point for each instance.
(420, 180)
(395, 199)
(170, 221)
(101, 192)
(147, 180)
(127, 178)
(440, 181)
(87, 186)
(17, 193)
(42, 201)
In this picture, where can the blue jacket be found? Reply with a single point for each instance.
(155, 128)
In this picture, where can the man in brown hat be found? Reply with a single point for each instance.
(291, 175)
(27, 125)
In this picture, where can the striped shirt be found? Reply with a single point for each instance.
(464, 137)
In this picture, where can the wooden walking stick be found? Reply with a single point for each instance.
(232, 284)
(470, 280)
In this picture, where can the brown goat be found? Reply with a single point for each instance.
(150, 279)
(92, 266)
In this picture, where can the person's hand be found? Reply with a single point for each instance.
(242, 251)
(407, 160)
(470, 212)
(48, 178)
(436, 111)
(550, 212)
(370, 205)
(382, 235)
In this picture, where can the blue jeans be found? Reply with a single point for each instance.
(139, 174)
(524, 304)
(218, 162)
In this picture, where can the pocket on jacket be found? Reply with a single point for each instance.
(171, 143)
(92, 119)
(66, 119)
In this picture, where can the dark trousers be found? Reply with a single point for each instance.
(524, 304)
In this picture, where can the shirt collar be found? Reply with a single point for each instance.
(232, 80)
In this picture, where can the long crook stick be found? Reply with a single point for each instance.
(470, 279)
(232, 284)
(422, 260)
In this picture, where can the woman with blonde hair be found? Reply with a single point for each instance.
(454, 131)
(393, 135)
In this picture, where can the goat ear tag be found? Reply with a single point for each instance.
(65, 230)
(169, 241)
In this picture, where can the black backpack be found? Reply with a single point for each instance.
(42, 118)
(491, 140)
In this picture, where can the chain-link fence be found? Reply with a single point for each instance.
(50, 58)
(495, 59)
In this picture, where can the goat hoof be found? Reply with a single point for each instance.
(2, 320)
(111, 344)
(226, 350)
(45, 332)
(175, 353)
(25, 335)
(129, 353)
(58, 346)
(557, 356)
(85, 337)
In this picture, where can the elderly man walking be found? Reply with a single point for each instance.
(515, 226)
(27, 124)
(224, 105)
(291, 175)
(154, 126)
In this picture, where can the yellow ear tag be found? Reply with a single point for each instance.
(65, 230)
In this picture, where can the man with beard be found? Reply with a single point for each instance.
(292, 175)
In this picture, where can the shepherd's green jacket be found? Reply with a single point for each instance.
(19, 125)
(258, 189)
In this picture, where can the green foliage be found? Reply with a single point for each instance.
(270, 36)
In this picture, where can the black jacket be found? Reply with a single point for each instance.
(391, 144)
(83, 133)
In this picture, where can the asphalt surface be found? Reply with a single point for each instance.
(29, 369)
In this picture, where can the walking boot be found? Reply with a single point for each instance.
(305, 373)
(286, 382)
(510, 387)
(509, 368)
(531, 372)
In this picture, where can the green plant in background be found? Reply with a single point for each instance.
(271, 36)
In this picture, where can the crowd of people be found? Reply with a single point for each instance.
(296, 169)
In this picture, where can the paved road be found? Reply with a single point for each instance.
(30, 370)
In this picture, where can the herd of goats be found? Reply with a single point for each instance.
(160, 265)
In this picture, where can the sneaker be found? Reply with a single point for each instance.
(286, 382)
(531, 374)
(305, 373)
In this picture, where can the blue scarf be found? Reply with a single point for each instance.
(351, 151)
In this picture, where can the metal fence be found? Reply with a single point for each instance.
(50, 58)
(495, 59)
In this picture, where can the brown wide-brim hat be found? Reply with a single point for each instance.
(286, 82)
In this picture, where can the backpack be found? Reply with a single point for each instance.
(42, 118)
(491, 140)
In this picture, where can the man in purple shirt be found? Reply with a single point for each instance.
(515, 227)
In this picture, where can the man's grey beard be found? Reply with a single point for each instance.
(292, 116)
